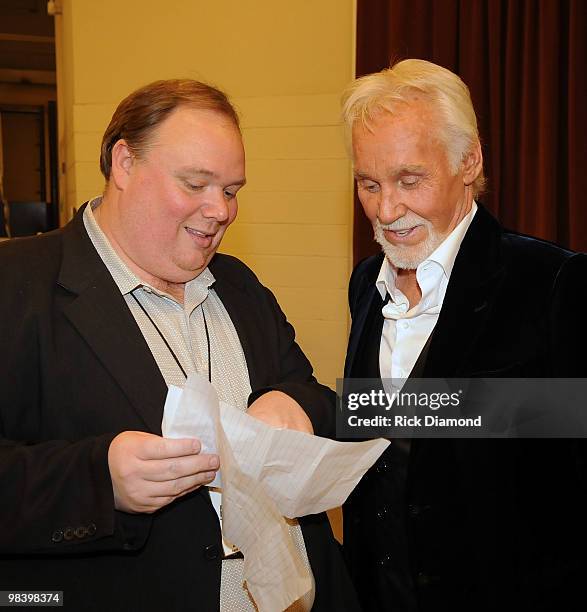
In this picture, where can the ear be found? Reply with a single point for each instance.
(122, 163)
(472, 164)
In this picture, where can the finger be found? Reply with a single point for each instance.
(175, 488)
(156, 447)
(160, 470)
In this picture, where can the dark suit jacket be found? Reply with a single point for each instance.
(477, 524)
(76, 371)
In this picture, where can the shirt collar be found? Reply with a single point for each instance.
(196, 290)
(431, 273)
(447, 251)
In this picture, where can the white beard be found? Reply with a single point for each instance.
(403, 256)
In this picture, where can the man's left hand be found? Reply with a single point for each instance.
(280, 411)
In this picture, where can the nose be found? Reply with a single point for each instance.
(216, 206)
(390, 208)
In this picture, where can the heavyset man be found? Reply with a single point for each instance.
(96, 320)
(457, 524)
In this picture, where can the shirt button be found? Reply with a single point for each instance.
(405, 324)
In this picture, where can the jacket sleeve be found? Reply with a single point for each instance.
(296, 377)
(568, 330)
(56, 493)
(291, 371)
(57, 499)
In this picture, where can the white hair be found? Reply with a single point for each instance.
(383, 91)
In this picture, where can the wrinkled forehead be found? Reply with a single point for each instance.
(397, 142)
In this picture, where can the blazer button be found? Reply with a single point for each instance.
(68, 533)
(80, 532)
(384, 561)
(416, 510)
(57, 536)
(91, 529)
(425, 580)
(382, 466)
(129, 544)
(211, 552)
(382, 513)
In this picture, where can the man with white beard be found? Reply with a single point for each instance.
(447, 524)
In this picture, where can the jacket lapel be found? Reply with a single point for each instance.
(473, 285)
(366, 293)
(244, 313)
(99, 313)
(476, 275)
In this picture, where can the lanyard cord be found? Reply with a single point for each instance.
(172, 352)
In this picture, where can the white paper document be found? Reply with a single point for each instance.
(267, 474)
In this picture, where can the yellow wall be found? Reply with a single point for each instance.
(284, 64)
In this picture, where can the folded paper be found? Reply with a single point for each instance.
(267, 474)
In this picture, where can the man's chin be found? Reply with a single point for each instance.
(185, 269)
(402, 261)
(407, 258)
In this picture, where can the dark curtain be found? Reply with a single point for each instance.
(525, 62)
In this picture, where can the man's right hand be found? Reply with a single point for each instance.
(149, 472)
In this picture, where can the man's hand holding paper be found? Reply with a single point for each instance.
(279, 410)
(267, 474)
(149, 472)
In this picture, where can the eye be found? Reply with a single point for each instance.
(410, 180)
(229, 194)
(370, 186)
(193, 187)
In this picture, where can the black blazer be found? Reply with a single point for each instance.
(76, 371)
(477, 524)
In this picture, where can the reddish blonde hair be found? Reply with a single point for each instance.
(140, 113)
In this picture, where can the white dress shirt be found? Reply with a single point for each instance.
(406, 330)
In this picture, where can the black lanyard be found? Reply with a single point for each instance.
(167, 343)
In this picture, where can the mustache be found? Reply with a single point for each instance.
(403, 223)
